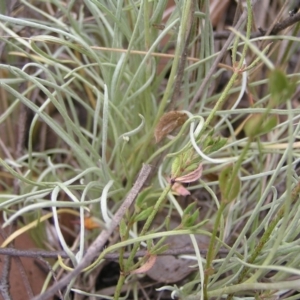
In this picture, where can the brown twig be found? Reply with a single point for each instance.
(6, 267)
(4, 282)
(110, 256)
(94, 250)
(46, 267)
(24, 277)
(276, 29)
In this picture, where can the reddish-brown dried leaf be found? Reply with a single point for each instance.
(190, 177)
(169, 122)
(146, 266)
(90, 223)
(179, 189)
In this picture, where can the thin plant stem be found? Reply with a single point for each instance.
(137, 245)
(223, 204)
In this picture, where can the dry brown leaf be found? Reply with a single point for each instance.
(179, 189)
(90, 223)
(190, 177)
(146, 266)
(169, 122)
(171, 269)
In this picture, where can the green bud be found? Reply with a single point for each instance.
(143, 215)
(230, 186)
(281, 87)
(123, 229)
(259, 124)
